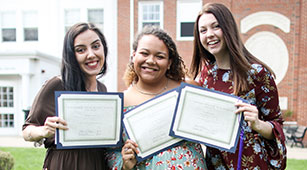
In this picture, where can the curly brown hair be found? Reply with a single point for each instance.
(177, 69)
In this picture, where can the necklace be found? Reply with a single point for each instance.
(149, 93)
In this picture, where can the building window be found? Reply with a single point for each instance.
(8, 26)
(185, 23)
(72, 16)
(150, 13)
(6, 120)
(30, 26)
(6, 104)
(96, 16)
(6, 97)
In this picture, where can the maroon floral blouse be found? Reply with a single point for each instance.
(258, 152)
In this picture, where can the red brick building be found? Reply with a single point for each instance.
(274, 28)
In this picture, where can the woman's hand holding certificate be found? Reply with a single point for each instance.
(207, 116)
(149, 124)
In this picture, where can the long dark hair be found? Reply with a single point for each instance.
(177, 69)
(72, 76)
(240, 58)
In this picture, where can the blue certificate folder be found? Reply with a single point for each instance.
(207, 116)
(94, 119)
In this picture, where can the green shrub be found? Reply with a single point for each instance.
(6, 161)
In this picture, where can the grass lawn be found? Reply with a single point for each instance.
(33, 158)
(27, 158)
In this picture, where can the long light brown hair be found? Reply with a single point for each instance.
(240, 58)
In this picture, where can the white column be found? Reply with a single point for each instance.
(25, 88)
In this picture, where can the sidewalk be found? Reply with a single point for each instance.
(17, 141)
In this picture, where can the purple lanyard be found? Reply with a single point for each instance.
(240, 150)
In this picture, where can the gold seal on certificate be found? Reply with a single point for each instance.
(149, 123)
(208, 117)
(93, 119)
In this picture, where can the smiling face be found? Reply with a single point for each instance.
(211, 35)
(151, 59)
(89, 53)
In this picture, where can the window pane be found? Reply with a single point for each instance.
(6, 120)
(151, 12)
(30, 19)
(145, 9)
(157, 8)
(30, 34)
(72, 16)
(8, 34)
(151, 8)
(145, 16)
(6, 97)
(151, 16)
(8, 20)
(11, 104)
(30, 25)
(157, 16)
(96, 16)
(151, 23)
(187, 29)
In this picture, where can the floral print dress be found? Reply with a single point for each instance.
(258, 152)
(186, 155)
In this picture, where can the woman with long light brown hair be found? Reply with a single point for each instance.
(221, 62)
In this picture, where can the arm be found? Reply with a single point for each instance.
(267, 102)
(36, 133)
(251, 116)
(264, 114)
(41, 122)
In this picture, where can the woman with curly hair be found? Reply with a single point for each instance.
(155, 68)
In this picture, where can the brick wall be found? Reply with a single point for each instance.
(302, 63)
(123, 21)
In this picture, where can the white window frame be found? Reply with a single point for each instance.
(83, 17)
(140, 12)
(7, 109)
(98, 25)
(187, 11)
(32, 25)
(3, 27)
(71, 23)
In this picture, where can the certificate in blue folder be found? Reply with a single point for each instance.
(94, 119)
(208, 117)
